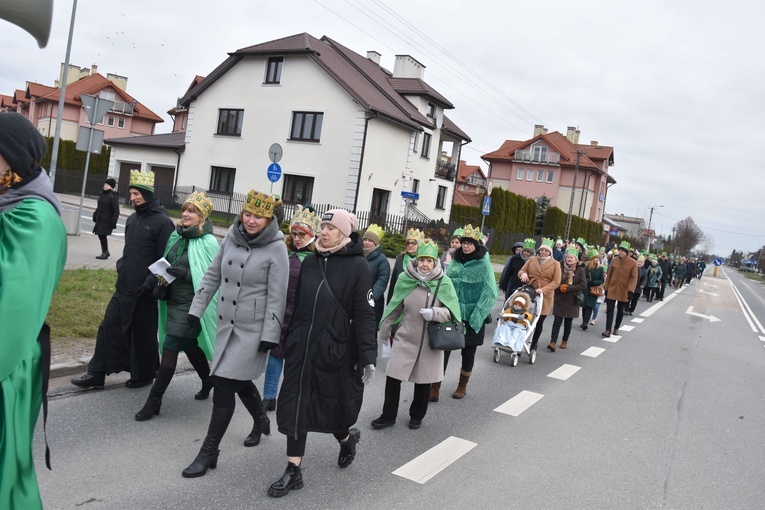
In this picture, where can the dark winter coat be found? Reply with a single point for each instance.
(510, 279)
(296, 260)
(665, 266)
(107, 213)
(380, 268)
(566, 304)
(594, 278)
(146, 233)
(325, 352)
(642, 279)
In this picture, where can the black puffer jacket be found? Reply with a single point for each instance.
(107, 213)
(324, 354)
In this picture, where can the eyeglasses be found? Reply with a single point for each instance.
(301, 235)
(411, 243)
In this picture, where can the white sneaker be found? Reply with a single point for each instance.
(592, 322)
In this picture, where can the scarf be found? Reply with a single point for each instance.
(332, 249)
(407, 282)
(568, 272)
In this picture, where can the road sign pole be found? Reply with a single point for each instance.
(84, 180)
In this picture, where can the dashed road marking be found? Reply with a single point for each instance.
(429, 464)
(519, 403)
(637, 320)
(762, 338)
(564, 372)
(593, 352)
(613, 339)
(626, 328)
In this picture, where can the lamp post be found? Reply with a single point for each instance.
(650, 218)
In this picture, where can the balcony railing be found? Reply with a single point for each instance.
(122, 107)
(445, 170)
(476, 181)
(552, 158)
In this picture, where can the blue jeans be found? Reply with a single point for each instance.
(273, 373)
(595, 311)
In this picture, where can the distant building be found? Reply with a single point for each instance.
(632, 227)
(471, 185)
(546, 165)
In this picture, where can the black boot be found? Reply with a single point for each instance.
(207, 458)
(292, 479)
(261, 424)
(154, 402)
(348, 449)
(198, 360)
(104, 255)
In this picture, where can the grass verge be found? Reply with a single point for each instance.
(79, 302)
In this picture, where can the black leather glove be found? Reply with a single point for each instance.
(265, 346)
(178, 271)
(629, 296)
(193, 321)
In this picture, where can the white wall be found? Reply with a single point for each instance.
(143, 156)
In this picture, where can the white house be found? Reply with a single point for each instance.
(353, 134)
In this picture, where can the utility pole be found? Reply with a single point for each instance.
(650, 218)
(573, 192)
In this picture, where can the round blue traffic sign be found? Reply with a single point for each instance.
(274, 172)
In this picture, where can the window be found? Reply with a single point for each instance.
(540, 175)
(222, 180)
(121, 123)
(380, 201)
(550, 175)
(415, 188)
(105, 94)
(540, 153)
(521, 173)
(306, 126)
(530, 174)
(297, 189)
(425, 152)
(431, 112)
(110, 121)
(441, 197)
(230, 122)
(416, 139)
(274, 70)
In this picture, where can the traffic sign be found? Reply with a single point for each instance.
(274, 172)
(489, 188)
(486, 205)
(84, 136)
(718, 262)
(409, 194)
(275, 153)
(95, 108)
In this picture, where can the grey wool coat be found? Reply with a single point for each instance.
(251, 276)
(403, 363)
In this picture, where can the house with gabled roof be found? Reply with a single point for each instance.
(471, 185)
(128, 116)
(556, 166)
(353, 134)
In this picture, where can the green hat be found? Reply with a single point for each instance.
(582, 242)
(572, 250)
(664, 254)
(624, 245)
(471, 233)
(457, 233)
(546, 241)
(427, 249)
(592, 253)
(529, 244)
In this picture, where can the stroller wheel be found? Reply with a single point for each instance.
(513, 360)
(532, 356)
(497, 354)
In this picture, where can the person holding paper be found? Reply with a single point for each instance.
(190, 250)
(127, 337)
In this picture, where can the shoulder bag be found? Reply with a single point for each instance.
(595, 290)
(445, 336)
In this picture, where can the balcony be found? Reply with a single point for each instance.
(552, 158)
(476, 181)
(445, 170)
(123, 107)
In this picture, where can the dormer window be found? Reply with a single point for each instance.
(431, 111)
(274, 70)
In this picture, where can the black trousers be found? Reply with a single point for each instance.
(586, 314)
(104, 243)
(662, 288)
(472, 340)
(417, 409)
(633, 304)
(610, 305)
(537, 332)
(225, 389)
(557, 321)
(296, 446)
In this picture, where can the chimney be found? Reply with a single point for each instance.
(594, 143)
(374, 57)
(407, 67)
(120, 81)
(571, 134)
(539, 129)
(576, 136)
(93, 69)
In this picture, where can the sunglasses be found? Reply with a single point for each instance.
(300, 235)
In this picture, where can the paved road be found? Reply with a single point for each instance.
(668, 415)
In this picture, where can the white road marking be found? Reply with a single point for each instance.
(702, 291)
(655, 307)
(710, 318)
(762, 338)
(593, 352)
(613, 338)
(637, 320)
(626, 328)
(748, 314)
(564, 372)
(519, 403)
(429, 464)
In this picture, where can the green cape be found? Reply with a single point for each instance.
(406, 283)
(476, 289)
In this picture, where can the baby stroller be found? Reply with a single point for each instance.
(516, 325)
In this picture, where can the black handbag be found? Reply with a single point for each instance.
(445, 336)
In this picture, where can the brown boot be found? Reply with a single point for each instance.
(435, 388)
(461, 390)
(564, 344)
(551, 347)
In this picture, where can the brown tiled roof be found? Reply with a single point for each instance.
(598, 152)
(165, 140)
(35, 90)
(364, 80)
(92, 85)
(470, 199)
(19, 96)
(6, 101)
(464, 171)
(452, 128)
(417, 87)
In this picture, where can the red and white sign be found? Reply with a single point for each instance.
(489, 187)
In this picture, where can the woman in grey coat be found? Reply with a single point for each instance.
(250, 274)
(411, 357)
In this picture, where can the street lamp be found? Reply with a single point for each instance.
(650, 218)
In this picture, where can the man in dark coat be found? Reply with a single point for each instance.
(666, 266)
(509, 281)
(106, 215)
(379, 266)
(127, 337)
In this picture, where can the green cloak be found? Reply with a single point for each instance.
(476, 288)
(406, 283)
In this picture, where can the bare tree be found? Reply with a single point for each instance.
(707, 244)
(687, 236)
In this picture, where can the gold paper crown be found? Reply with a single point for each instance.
(201, 202)
(376, 230)
(428, 249)
(414, 233)
(473, 233)
(139, 179)
(260, 204)
(307, 217)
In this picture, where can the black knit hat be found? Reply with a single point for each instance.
(111, 182)
(21, 146)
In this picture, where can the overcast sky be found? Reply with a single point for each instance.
(676, 88)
